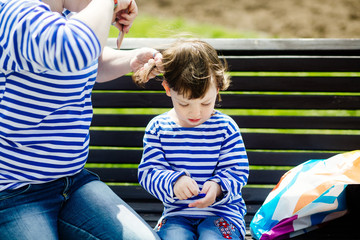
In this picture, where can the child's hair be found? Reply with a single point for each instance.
(189, 67)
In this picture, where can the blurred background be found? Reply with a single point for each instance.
(247, 18)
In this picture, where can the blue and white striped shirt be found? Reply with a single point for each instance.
(48, 66)
(213, 150)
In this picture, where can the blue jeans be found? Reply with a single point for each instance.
(76, 207)
(209, 228)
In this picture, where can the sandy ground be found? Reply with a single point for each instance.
(269, 18)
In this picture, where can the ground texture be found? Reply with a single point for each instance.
(268, 18)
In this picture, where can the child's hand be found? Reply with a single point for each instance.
(185, 187)
(212, 190)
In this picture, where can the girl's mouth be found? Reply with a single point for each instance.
(194, 120)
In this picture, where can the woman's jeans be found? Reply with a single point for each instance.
(209, 228)
(77, 207)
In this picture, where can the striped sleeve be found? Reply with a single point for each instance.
(35, 39)
(233, 169)
(154, 172)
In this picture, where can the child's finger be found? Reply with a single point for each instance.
(202, 203)
(194, 204)
(189, 193)
(194, 188)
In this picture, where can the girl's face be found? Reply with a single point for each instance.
(193, 112)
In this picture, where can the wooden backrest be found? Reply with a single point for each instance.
(294, 100)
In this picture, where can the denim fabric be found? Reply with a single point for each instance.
(209, 228)
(77, 207)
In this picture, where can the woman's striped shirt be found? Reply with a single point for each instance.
(213, 150)
(48, 66)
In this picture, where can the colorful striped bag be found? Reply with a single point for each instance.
(306, 196)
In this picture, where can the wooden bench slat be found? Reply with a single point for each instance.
(295, 84)
(148, 207)
(246, 101)
(126, 83)
(256, 83)
(134, 194)
(319, 142)
(322, 46)
(131, 100)
(269, 141)
(129, 175)
(298, 122)
(123, 120)
(295, 63)
(130, 193)
(265, 176)
(257, 101)
(263, 158)
(114, 156)
(284, 122)
(255, 195)
(116, 138)
(115, 175)
(288, 52)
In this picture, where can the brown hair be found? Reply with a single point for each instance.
(189, 67)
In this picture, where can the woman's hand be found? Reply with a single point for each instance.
(212, 190)
(124, 15)
(147, 59)
(116, 63)
(185, 187)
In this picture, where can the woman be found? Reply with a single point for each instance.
(49, 62)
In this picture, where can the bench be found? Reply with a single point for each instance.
(293, 99)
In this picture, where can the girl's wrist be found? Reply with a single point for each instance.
(115, 3)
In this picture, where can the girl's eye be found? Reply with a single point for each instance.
(183, 105)
(205, 104)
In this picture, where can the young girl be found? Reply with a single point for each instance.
(194, 158)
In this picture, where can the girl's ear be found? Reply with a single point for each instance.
(166, 87)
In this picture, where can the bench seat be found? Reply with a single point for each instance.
(293, 99)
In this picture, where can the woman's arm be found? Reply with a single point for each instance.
(99, 14)
(115, 63)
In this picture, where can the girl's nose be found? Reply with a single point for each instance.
(195, 112)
